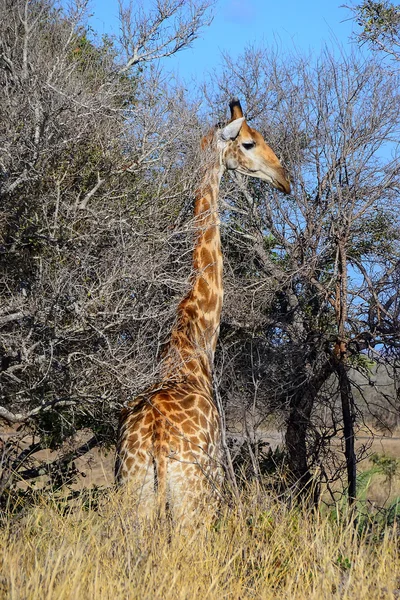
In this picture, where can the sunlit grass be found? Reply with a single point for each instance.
(268, 551)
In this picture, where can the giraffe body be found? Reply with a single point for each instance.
(169, 447)
(172, 445)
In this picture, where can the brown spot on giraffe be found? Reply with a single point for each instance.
(169, 445)
(204, 288)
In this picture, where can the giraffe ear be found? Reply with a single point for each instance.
(231, 131)
(236, 109)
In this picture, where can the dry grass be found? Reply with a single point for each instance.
(90, 550)
(268, 552)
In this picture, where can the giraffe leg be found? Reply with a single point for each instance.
(140, 484)
(189, 492)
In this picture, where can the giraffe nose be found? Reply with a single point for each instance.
(281, 181)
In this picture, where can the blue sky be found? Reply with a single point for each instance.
(303, 25)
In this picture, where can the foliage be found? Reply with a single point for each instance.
(329, 272)
(380, 25)
(92, 153)
(99, 165)
(387, 465)
(257, 460)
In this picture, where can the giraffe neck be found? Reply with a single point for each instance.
(194, 337)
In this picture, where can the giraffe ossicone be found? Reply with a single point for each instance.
(169, 442)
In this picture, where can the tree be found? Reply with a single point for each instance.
(318, 262)
(98, 171)
(167, 28)
(96, 158)
(380, 26)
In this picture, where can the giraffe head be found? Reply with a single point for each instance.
(245, 151)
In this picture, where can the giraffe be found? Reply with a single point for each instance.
(169, 447)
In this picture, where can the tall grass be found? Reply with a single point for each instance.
(268, 551)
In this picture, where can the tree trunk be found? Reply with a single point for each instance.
(296, 435)
(298, 424)
(346, 396)
(340, 358)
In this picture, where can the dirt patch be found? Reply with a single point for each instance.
(96, 467)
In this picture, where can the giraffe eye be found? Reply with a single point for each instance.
(248, 145)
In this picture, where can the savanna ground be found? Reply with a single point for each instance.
(93, 547)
